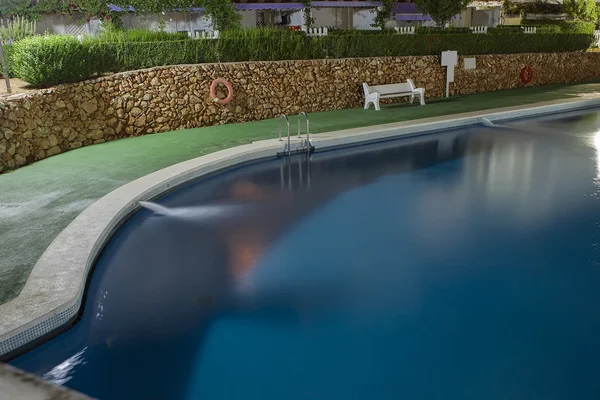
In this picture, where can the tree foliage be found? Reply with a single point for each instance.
(442, 11)
(583, 10)
(307, 12)
(222, 12)
(383, 13)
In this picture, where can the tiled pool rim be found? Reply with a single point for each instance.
(52, 296)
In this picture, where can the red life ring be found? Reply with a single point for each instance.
(526, 74)
(213, 88)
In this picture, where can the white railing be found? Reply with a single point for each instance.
(597, 38)
(479, 29)
(204, 35)
(405, 30)
(317, 31)
(529, 29)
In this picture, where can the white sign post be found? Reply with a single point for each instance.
(449, 60)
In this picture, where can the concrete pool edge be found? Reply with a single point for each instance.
(55, 289)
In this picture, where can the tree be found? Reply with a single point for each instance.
(308, 18)
(383, 13)
(584, 10)
(223, 14)
(442, 11)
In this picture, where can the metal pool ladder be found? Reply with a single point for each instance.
(287, 121)
(307, 130)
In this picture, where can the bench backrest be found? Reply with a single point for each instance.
(389, 89)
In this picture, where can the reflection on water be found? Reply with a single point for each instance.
(63, 372)
(456, 265)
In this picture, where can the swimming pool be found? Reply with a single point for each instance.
(456, 265)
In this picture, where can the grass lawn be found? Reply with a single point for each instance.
(40, 200)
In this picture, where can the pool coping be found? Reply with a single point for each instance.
(53, 294)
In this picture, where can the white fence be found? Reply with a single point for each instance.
(405, 30)
(484, 29)
(204, 35)
(317, 31)
(479, 29)
(597, 38)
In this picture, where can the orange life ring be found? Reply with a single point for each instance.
(526, 74)
(213, 88)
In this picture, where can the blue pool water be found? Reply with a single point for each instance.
(460, 265)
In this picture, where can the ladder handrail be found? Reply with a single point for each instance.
(307, 123)
(288, 131)
(307, 129)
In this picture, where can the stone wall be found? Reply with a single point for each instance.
(42, 123)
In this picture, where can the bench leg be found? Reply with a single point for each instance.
(412, 98)
(373, 98)
(422, 98)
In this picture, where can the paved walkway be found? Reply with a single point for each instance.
(38, 201)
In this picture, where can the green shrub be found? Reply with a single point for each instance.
(139, 35)
(549, 29)
(578, 27)
(258, 33)
(48, 60)
(17, 29)
(564, 26)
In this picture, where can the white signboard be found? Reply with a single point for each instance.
(449, 60)
(470, 63)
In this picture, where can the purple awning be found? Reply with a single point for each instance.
(112, 7)
(353, 4)
(406, 8)
(409, 12)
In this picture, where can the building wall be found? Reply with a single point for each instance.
(173, 22)
(75, 24)
(485, 18)
(363, 19)
(340, 17)
(248, 19)
(47, 122)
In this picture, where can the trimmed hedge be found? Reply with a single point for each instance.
(563, 26)
(505, 29)
(48, 60)
(465, 44)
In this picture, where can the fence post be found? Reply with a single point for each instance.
(4, 69)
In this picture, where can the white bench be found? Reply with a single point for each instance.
(374, 93)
